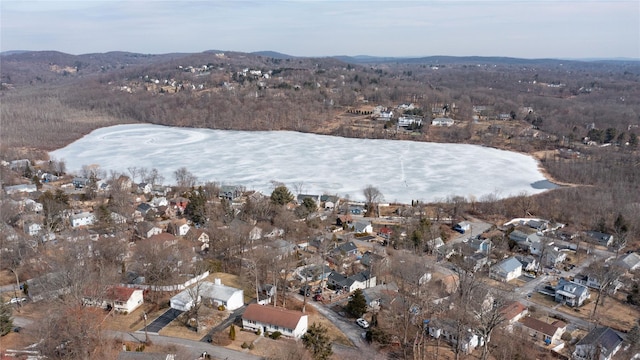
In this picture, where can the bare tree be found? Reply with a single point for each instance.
(372, 197)
(184, 178)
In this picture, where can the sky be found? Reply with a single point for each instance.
(564, 29)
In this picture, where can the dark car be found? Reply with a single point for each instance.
(305, 290)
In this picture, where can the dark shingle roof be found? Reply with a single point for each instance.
(604, 337)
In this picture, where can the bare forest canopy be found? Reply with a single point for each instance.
(50, 99)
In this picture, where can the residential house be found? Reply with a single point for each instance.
(600, 340)
(344, 220)
(82, 219)
(512, 312)
(32, 228)
(145, 188)
(527, 239)
(447, 329)
(147, 229)
(267, 294)
(22, 188)
(476, 261)
(571, 293)
(363, 227)
(33, 206)
(347, 249)
(529, 263)
(117, 218)
(217, 294)
(268, 319)
(48, 286)
(435, 244)
(442, 121)
(230, 192)
(361, 280)
(180, 227)
(142, 210)
(179, 203)
(409, 120)
(164, 238)
(281, 248)
(121, 299)
(301, 197)
(370, 259)
(330, 201)
(548, 333)
(80, 182)
(600, 238)
(159, 201)
(380, 295)
(506, 270)
(591, 281)
(480, 245)
(385, 232)
(630, 261)
(554, 257)
(200, 236)
(186, 299)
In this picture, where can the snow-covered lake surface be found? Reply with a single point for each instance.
(402, 170)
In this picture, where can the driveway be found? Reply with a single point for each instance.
(162, 321)
(362, 350)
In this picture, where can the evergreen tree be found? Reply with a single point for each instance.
(357, 306)
(318, 342)
(196, 209)
(281, 195)
(232, 332)
(6, 323)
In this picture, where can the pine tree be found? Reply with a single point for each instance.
(232, 332)
(318, 342)
(358, 304)
(6, 323)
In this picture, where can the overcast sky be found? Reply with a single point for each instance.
(516, 28)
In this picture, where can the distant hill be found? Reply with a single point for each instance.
(273, 54)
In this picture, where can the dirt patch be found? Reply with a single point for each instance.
(612, 313)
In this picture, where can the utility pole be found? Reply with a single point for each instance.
(146, 334)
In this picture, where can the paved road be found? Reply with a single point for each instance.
(194, 348)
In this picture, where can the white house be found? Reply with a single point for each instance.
(82, 219)
(447, 329)
(361, 280)
(363, 227)
(549, 333)
(442, 121)
(180, 227)
(571, 293)
(506, 270)
(217, 294)
(32, 228)
(32, 205)
(186, 299)
(121, 299)
(268, 319)
(601, 340)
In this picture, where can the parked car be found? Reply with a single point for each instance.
(305, 290)
(362, 323)
(17, 300)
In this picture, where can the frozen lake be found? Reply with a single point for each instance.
(401, 170)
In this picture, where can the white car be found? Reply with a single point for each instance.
(17, 300)
(362, 323)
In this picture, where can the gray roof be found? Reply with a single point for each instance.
(509, 265)
(604, 337)
(571, 287)
(630, 261)
(217, 291)
(361, 225)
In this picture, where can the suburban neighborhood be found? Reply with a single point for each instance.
(203, 263)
